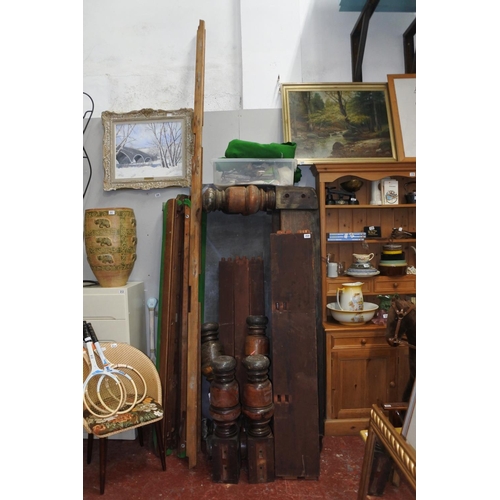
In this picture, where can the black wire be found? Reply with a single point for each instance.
(87, 115)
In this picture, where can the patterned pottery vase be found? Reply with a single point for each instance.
(110, 243)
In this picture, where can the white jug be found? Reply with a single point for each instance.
(350, 296)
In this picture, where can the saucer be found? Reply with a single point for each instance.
(358, 273)
(361, 265)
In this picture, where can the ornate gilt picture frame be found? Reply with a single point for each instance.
(147, 149)
(338, 122)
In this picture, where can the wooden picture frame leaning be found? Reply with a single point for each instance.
(402, 453)
(338, 122)
(403, 97)
(147, 149)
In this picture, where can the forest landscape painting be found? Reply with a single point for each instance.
(147, 149)
(348, 122)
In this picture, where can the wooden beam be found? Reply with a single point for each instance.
(358, 39)
(193, 415)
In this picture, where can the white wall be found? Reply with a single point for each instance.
(141, 54)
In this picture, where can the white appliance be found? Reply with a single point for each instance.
(119, 314)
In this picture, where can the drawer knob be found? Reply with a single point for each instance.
(392, 384)
(395, 284)
(363, 341)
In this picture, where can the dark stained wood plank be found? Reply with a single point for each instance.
(226, 305)
(241, 291)
(294, 357)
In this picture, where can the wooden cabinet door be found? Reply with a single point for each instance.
(361, 377)
(403, 370)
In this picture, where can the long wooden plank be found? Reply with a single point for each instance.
(241, 290)
(184, 334)
(193, 414)
(226, 305)
(295, 220)
(257, 293)
(294, 357)
(169, 314)
(164, 303)
(173, 376)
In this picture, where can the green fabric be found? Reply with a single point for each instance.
(246, 149)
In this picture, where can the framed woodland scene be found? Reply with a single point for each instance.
(338, 122)
(147, 149)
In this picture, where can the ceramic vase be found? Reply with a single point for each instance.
(111, 243)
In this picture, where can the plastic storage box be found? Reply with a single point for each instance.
(243, 171)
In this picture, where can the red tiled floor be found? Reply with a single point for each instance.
(134, 473)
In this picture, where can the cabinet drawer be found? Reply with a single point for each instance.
(358, 341)
(371, 336)
(395, 284)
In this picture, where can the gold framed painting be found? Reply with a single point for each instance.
(147, 149)
(338, 122)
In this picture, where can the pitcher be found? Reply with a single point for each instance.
(350, 296)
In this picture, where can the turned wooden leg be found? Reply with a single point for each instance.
(90, 442)
(103, 449)
(258, 407)
(225, 410)
(161, 447)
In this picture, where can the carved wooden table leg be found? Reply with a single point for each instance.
(256, 341)
(225, 409)
(258, 407)
(211, 348)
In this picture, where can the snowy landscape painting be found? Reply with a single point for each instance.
(147, 149)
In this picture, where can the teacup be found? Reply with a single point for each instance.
(362, 257)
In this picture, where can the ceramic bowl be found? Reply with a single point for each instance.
(395, 256)
(392, 247)
(353, 318)
(352, 185)
(392, 270)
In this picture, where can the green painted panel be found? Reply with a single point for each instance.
(383, 6)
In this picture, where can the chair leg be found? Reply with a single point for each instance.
(141, 436)
(161, 444)
(103, 449)
(90, 442)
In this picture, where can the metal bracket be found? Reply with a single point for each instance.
(409, 48)
(358, 39)
(358, 42)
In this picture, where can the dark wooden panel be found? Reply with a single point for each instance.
(297, 220)
(171, 304)
(294, 357)
(226, 306)
(241, 290)
(257, 302)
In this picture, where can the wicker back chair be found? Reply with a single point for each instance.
(148, 411)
